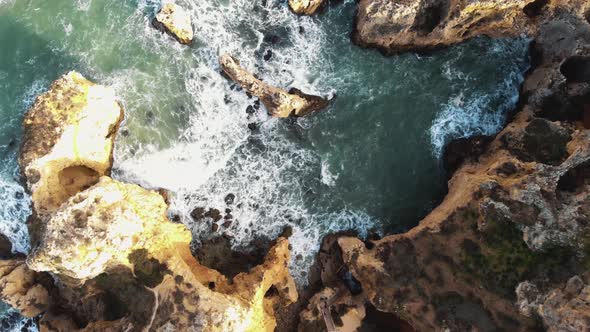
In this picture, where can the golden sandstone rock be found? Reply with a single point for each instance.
(176, 21)
(69, 134)
(306, 7)
(278, 102)
(105, 255)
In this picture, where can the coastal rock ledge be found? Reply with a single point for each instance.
(426, 25)
(105, 255)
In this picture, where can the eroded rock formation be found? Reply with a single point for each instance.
(69, 134)
(278, 102)
(105, 256)
(516, 215)
(425, 25)
(176, 21)
(306, 7)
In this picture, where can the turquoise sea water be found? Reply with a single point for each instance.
(370, 162)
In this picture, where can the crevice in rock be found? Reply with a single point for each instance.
(576, 69)
(378, 321)
(575, 178)
(74, 179)
(587, 16)
(535, 8)
(430, 15)
(217, 253)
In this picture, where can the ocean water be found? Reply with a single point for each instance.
(370, 162)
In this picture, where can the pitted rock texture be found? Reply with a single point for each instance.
(306, 7)
(426, 25)
(68, 140)
(516, 215)
(563, 309)
(278, 102)
(176, 21)
(105, 256)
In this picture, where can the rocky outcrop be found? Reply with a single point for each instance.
(564, 309)
(68, 140)
(278, 102)
(176, 21)
(20, 287)
(425, 25)
(516, 215)
(306, 7)
(105, 255)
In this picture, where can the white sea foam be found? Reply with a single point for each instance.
(480, 113)
(14, 212)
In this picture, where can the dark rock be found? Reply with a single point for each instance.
(267, 55)
(545, 142)
(461, 149)
(229, 199)
(576, 69)
(5, 247)
(250, 109)
(535, 8)
(214, 227)
(198, 214)
(213, 214)
(507, 168)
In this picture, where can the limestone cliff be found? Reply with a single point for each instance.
(425, 25)
(515, 215)
(278, 102)
(105, 256)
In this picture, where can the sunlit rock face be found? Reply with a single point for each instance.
(306, 7)
(68, 140)
(424, 25)
(176, 21)
(278, 102)
(105, 256)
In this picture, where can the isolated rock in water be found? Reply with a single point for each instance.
(68, 140)
(422, 25)
(306, 7)
(278, 102)
(176, 21)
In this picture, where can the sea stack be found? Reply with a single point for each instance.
(176, 21)
(278, 102)
(306, 7)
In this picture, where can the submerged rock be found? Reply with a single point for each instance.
(278, 102)
(176, 21)
(306, 7)
(69, 134)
